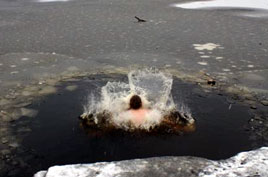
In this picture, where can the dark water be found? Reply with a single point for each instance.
(57, 137)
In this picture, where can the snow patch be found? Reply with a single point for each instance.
(25, 59)
(251, 163)
(204, 56)
(207, 46)
(219, 58)
(244, 4)
(14, 72)
(202, 63)
(226, 69)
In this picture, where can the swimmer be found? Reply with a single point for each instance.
(138, 113)
(137, 116)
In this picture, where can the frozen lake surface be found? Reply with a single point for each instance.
(47, 41)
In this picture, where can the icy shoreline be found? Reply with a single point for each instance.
(249, 163)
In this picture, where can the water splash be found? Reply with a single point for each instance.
(153, 85)
(154, 88)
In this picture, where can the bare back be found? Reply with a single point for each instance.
(139, 116)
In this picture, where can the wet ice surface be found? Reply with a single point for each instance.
(252, 163)
(20, 69)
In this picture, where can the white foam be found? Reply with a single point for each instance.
(246, 4)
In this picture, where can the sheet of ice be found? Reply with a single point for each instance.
(21, 69)
(248, 4)
(252, 163)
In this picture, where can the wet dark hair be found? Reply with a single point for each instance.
(135, 102)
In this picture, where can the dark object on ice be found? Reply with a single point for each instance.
(139, 19)
(211, 82)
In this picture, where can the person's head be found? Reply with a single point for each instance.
(135, 102)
